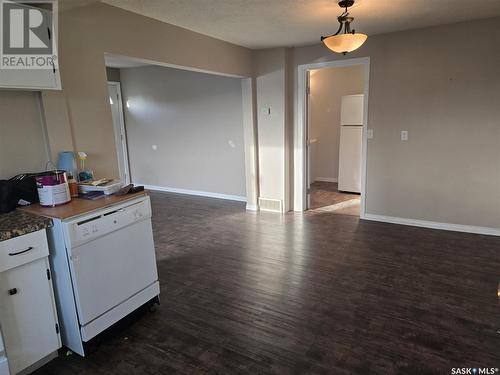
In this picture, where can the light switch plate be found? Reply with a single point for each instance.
(265, 111)
(369, 134)
(404, 135)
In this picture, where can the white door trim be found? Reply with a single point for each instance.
(123, 142)
(300, 157)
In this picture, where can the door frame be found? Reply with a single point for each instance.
(123, 144)
(300, 154)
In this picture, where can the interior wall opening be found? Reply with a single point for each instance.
(182, 130)
(335, 128)
(330, 157)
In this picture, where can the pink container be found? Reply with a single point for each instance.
(53, 188)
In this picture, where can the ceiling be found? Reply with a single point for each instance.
(273, 23)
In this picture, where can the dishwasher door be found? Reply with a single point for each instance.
(112, 268)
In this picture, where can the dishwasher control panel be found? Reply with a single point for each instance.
(108, 220)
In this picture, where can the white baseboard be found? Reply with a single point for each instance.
(252, 207)
(195, 192)
(326, 179)
(433, 224)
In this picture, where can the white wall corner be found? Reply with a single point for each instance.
(250, 142)
(252, 207)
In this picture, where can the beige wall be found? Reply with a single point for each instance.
(442, 84)
(22, 145)
(439, 83)
(56, 111)
(86, 33)
(327, 88)
(196, 122)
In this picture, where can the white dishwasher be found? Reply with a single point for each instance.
(104, 268)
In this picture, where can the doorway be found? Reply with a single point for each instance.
(115, 101)
(331, 129)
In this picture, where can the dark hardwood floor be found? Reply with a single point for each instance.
(315, 293)
(327, 194)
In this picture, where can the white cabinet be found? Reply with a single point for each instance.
(2, 348)
(31, 79)
(27, 308)
(4, 365)
(34, 79)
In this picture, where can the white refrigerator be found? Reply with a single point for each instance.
(351, 143)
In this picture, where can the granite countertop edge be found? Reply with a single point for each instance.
(18, 223)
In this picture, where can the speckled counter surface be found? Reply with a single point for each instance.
(18, 223)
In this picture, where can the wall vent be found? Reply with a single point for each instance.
(274, 205)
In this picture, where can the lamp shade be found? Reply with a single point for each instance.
(343, 43)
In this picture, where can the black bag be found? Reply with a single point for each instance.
(7, 196)
(20, 187)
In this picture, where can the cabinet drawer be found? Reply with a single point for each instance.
(23, 249)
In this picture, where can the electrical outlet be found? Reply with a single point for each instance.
(369, 134)
(404, 135)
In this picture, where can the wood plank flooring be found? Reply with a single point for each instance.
(315, 293)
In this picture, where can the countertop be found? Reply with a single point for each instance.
(78, 206)
(18, 223)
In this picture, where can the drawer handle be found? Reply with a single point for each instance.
(12, 291)
(21, 252)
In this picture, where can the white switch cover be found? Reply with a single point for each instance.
(369, 134)
(404, 135)
(265, 111)
(154, 147)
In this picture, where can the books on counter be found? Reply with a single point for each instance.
(93, 195)
(106, 186)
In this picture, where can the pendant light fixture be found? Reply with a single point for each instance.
(349, 40)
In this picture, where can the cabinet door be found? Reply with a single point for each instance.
(27, 314)
(41, 79)
(33, 79)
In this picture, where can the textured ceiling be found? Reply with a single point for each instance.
(273, 23)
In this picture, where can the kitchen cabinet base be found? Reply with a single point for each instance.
(38, 364)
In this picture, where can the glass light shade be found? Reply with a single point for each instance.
(343, 43)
